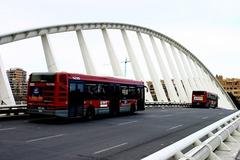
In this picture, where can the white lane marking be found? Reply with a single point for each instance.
(204, 117)
(107, 149)
(220, 113)
(6, 129)
(44, 138)
(161, 116)
(125, 123)
(175, 127)
(167, 115)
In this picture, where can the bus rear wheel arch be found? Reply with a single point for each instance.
(132, 108)
(90, 113)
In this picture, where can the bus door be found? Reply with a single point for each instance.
(76, 98)
(114, 102)
(140, 98)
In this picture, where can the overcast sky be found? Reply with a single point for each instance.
(210, 29)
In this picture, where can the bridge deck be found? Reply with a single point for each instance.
(123, 137)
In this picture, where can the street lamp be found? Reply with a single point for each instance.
(125, 66)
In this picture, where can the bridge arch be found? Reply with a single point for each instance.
(194, 76)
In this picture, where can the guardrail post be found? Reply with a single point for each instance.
(231, 139)
(210, 134)
(223, 146)
(236, 133)
(178, 155)
(213, 156)
(197, 143)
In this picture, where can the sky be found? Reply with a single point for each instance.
(210, 29)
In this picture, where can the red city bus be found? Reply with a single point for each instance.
(77, 95)
(204, 99)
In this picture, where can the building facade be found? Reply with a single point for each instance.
(17, 79)
(230, 85)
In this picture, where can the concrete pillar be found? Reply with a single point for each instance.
(210, 82)
(195, 75)
(49, 57)
(135, 66)
(182, 94)
(186, 82)
(6, 96)
(112, 56)
(172, 93)
(201, 77)
(192, 72)
(205, 79)
(189, 75)
(89, 66)
(154, 77)
(162, 67)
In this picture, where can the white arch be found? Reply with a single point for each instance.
(7, 38)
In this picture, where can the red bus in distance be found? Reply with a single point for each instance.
(204, 99)
(77, 95)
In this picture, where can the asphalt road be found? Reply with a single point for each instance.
(125, 137)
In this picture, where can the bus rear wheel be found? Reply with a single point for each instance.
(90, 114)
(132, 109)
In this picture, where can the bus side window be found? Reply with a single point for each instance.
(132, 92)
(140, 93)
(80, 88)
(72, 87)
(102, 91)
(124, 92)
(90, 90)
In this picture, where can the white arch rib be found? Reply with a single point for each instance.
(120, 26)
(155, 78)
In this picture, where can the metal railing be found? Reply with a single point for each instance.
(15, 110)
(6, 110)
(202, 144)
(167, 104)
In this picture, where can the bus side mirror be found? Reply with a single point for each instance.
(146, 88)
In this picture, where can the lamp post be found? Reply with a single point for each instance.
(125, 66)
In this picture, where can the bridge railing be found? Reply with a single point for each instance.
(7, 110)
(203, 144)
(167, 104)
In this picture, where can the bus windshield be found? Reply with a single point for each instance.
(42, 78)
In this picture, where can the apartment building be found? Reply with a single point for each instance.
(230, 85)
(18, 83)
